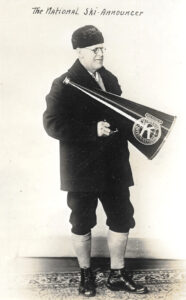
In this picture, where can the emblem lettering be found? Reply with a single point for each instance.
(147, 130)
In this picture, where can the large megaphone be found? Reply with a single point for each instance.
(149, 127)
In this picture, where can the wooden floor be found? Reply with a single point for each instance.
(66, 264)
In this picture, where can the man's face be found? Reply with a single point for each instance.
(91, 57)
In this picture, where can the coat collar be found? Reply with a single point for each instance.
(80, 75)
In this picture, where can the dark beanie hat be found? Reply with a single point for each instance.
(86, 36)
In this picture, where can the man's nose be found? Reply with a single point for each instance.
(100, 52)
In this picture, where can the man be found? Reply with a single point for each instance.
(94, 158)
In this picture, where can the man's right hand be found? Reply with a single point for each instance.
(103, 128)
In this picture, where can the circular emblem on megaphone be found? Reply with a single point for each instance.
(147, 130)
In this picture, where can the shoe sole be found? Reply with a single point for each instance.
(115, 289)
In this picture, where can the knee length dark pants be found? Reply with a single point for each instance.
(117, 206)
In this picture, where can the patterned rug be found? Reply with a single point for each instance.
(162, 284)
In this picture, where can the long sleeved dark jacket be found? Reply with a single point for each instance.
(87, 162)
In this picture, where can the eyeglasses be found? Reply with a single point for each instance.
(96, 50)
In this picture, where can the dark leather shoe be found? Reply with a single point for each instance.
(118, 280)
(87, 285)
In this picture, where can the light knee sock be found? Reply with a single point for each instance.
(82, 247)
(117, 243)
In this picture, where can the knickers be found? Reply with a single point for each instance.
(117, 206)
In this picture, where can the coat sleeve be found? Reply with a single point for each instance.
(58, 119)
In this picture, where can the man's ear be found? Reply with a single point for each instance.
(79, 52)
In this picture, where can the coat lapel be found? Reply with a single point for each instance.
(80, 75)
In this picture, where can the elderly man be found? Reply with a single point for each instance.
(94, 159)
